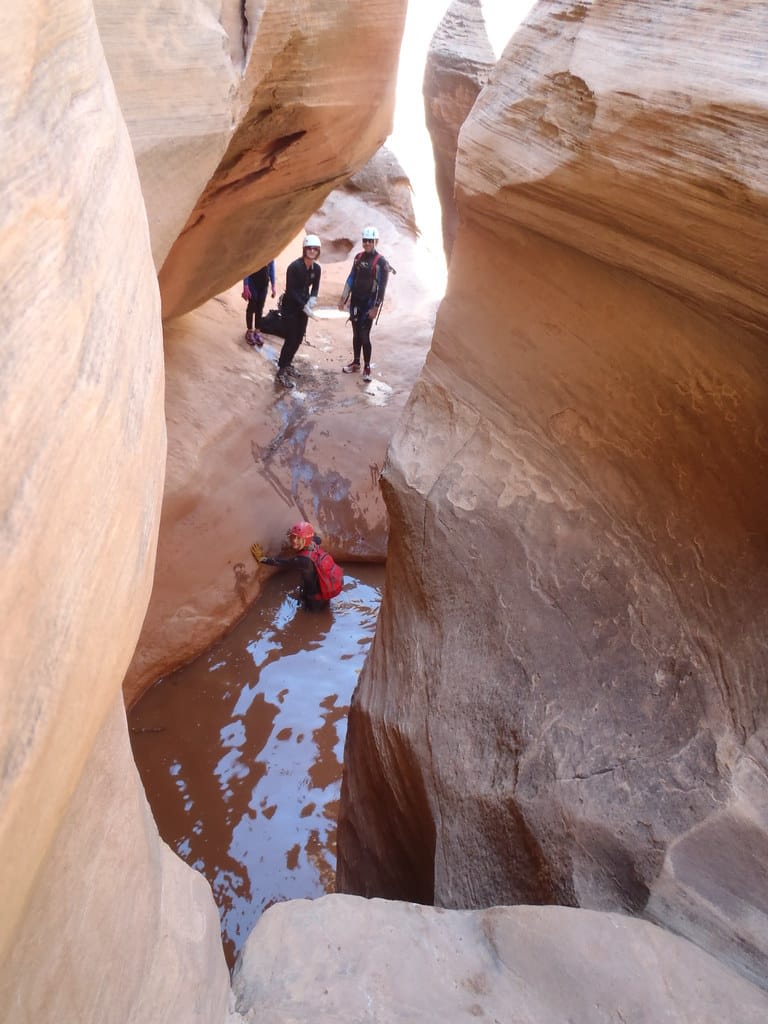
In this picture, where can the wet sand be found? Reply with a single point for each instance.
(240, 752)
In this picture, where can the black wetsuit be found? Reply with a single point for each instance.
(258, 282)
(367, 283)
(300, 283)
(310, 587)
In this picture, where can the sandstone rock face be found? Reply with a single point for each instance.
(383, 182)
(314, 104)
(341, 958)
(459, 62)
(582, 169)
(118, 929)
(177, 69)
(84, 931)
(243, 117)
(565, 700)
(246, 459)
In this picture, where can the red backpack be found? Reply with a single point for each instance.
(330, 578)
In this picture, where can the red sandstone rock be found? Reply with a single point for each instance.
(99, 922)
(315, 104)
(564, 700)
(246, 459)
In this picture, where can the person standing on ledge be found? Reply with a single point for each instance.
(302, 283)
(364, 288)
(255, 288)
(302, 538)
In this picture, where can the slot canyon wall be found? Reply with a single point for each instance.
(566, 698)
(581, 462)
(127, 133)
(246, 458)
(459, 63)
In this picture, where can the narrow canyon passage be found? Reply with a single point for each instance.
(240, 752)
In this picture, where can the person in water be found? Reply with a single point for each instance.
(302, 538)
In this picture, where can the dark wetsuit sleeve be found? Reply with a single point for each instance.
(306, 567)
(294, 286)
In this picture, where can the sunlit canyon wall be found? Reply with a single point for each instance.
(566, 697)
(100, 921)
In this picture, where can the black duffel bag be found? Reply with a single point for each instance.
(273, 323)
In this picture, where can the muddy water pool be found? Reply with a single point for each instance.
(240, 752)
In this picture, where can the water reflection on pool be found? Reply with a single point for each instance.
(240, 752)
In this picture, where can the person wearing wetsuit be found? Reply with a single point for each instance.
(301, 536)
(302, 283)
(365, 288)
(255, 288)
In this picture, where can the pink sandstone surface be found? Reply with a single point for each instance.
(565, 701)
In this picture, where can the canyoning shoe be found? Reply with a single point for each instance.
(283, 378)
(350, 368)
(367, 374)
(250, 337)
(257, 338)
(293, 371)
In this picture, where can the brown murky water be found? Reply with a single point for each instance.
(240, 752)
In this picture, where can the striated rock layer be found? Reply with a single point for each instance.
(99, 921)
(306, 119)
(243, 118)
(565, 701)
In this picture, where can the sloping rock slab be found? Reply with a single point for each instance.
(346, 958)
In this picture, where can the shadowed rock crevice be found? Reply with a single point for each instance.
(395, 858)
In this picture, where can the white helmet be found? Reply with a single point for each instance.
(311, 241)
(370, 233)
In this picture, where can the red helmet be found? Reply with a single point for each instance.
(303, 529)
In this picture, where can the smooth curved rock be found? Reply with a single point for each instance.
(341, 958)
(459, 63)
(118, 930)
(570, 653)
(620, 140)
(99, 922)
(177, 69)
(307, 120)
(243, 119)
(83, 428)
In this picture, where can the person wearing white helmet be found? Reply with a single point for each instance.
(364, 289)
(302, 283)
